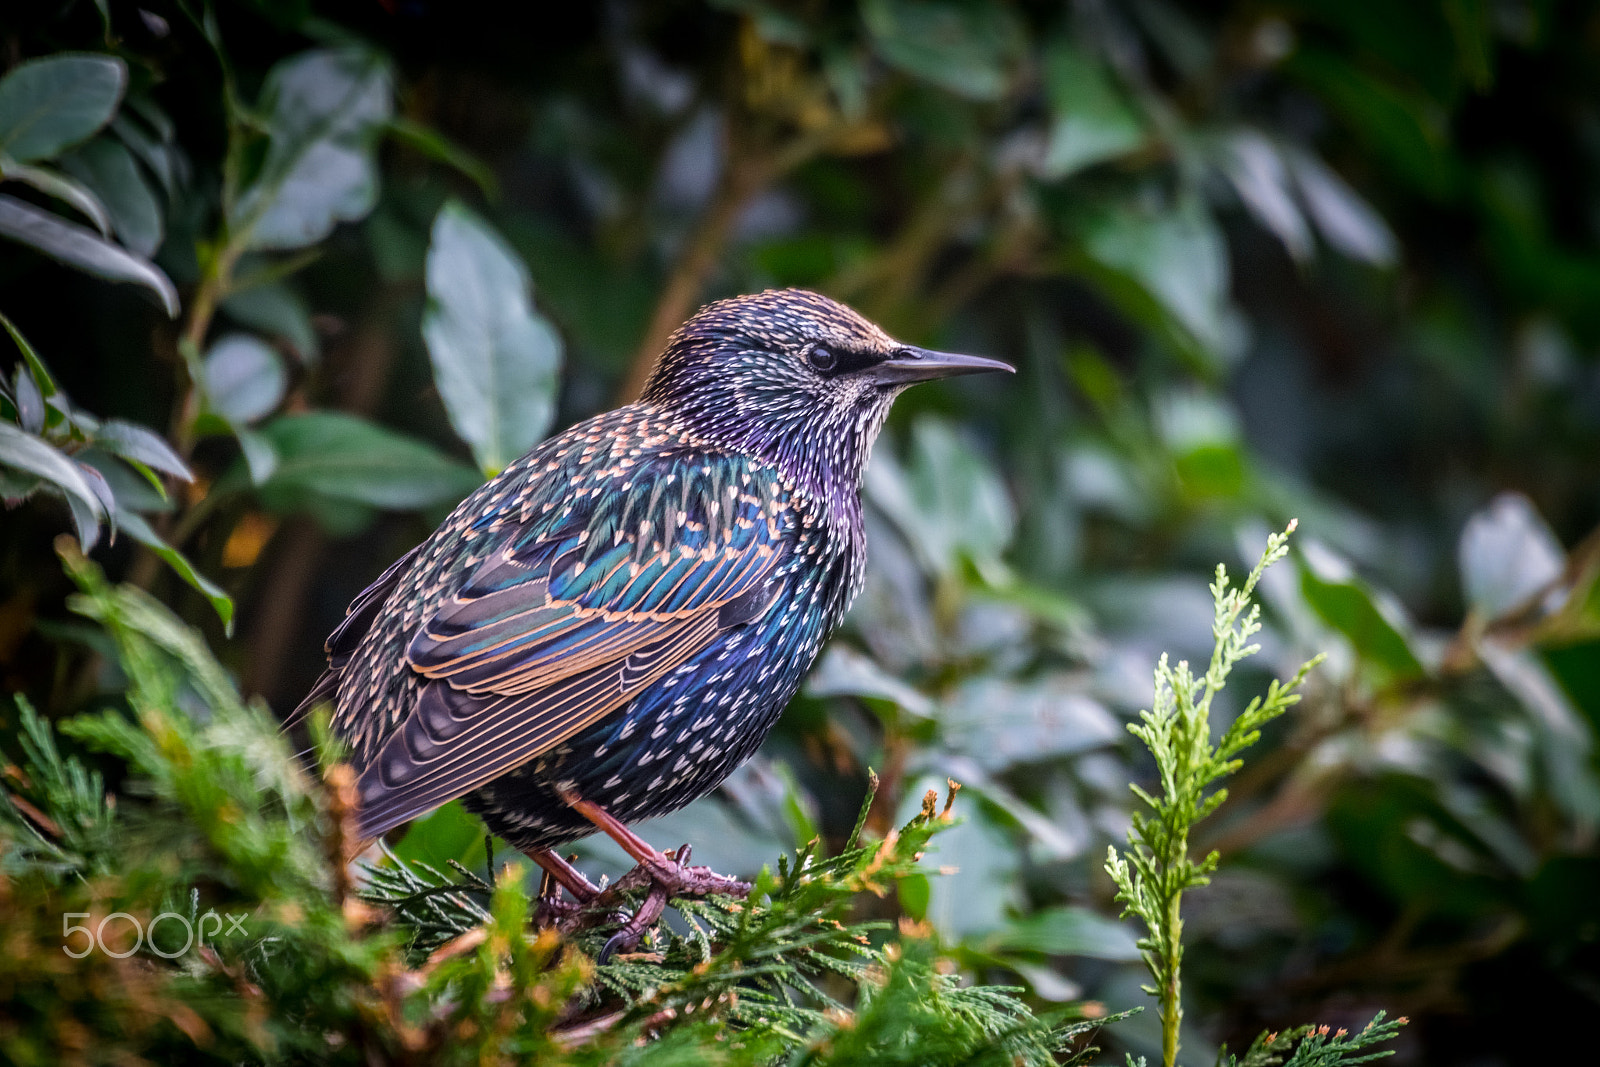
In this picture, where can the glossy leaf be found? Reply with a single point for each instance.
(106, 166)
(140, 531)
(947, 500)
(970, 49)
(843, 671)
(1345, 220)
(23, 451)
(1179, 258)
(30, 402)
(1000, 723)
(345, 458)
(1508, 555)
(243, 379)
(67, 190)
(48, 105)
(134, 442)
(495, 358)
(41, 373)
(1261, 178)
(1091, 120)
(79, 247)
(1373, 623)
(325, 110)
(276, 309)
(1067, 931)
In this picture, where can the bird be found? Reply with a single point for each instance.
(606, 629)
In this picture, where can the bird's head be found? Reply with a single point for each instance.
(795, 378)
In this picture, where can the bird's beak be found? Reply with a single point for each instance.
(910, 365)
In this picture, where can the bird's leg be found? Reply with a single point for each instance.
(564, 874)
(671, 873)
(643, 918)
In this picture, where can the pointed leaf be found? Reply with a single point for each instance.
(277, 310)
(325, 109)
(345, 458)
(970, 49)
(1092, 121)
(1067, 931)
(62, 188)
(80, 247)
(140, 531)
(495, 358)
(106, 166)
(29, 401)
(1508, 555)
(41, 373)
(1345, 220)
(1257, 171)
(22, 451)
(134, 442)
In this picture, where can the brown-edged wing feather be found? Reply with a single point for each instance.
(539, 644)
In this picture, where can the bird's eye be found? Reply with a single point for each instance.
(823, 359)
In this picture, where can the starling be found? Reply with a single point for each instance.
(605, 630)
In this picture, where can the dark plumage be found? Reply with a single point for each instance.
(621, 615)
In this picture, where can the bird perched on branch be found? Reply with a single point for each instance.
(604, 631)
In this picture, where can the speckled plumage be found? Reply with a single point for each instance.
(623, 613)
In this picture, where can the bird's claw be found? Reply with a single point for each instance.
(670, 878)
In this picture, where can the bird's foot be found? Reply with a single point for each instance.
(672, 870)
(669, 876)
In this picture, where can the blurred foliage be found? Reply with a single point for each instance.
(1333, 261)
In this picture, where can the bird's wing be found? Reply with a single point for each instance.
(341, 644)
(554, 630)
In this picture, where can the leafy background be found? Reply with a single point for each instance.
(286, 281)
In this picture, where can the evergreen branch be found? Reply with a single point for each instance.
(1156, 869)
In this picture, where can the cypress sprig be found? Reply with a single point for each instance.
(1152, 875)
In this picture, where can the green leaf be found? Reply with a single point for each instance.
(274, 308)
(437, 146)
(970, 49)
(30, 402)
(495, 358)
(845, 672)
(1000, 723)
(1261, 178)
(86, 519)
(947, 500)
(1507, 556)
(325, 110)
(156, 153)
(258, 454)
(1067, 931)
(345, 458)
(140, 531)
(242, 378)
(106, 166)
(1092, 122)
(450, 833)
(41, 373)
(134, 442)
(79, 247)
(1179, 258)
(62, 188)
(1373, 624)
(48, 105)
(1345, 220)
(22, 451)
